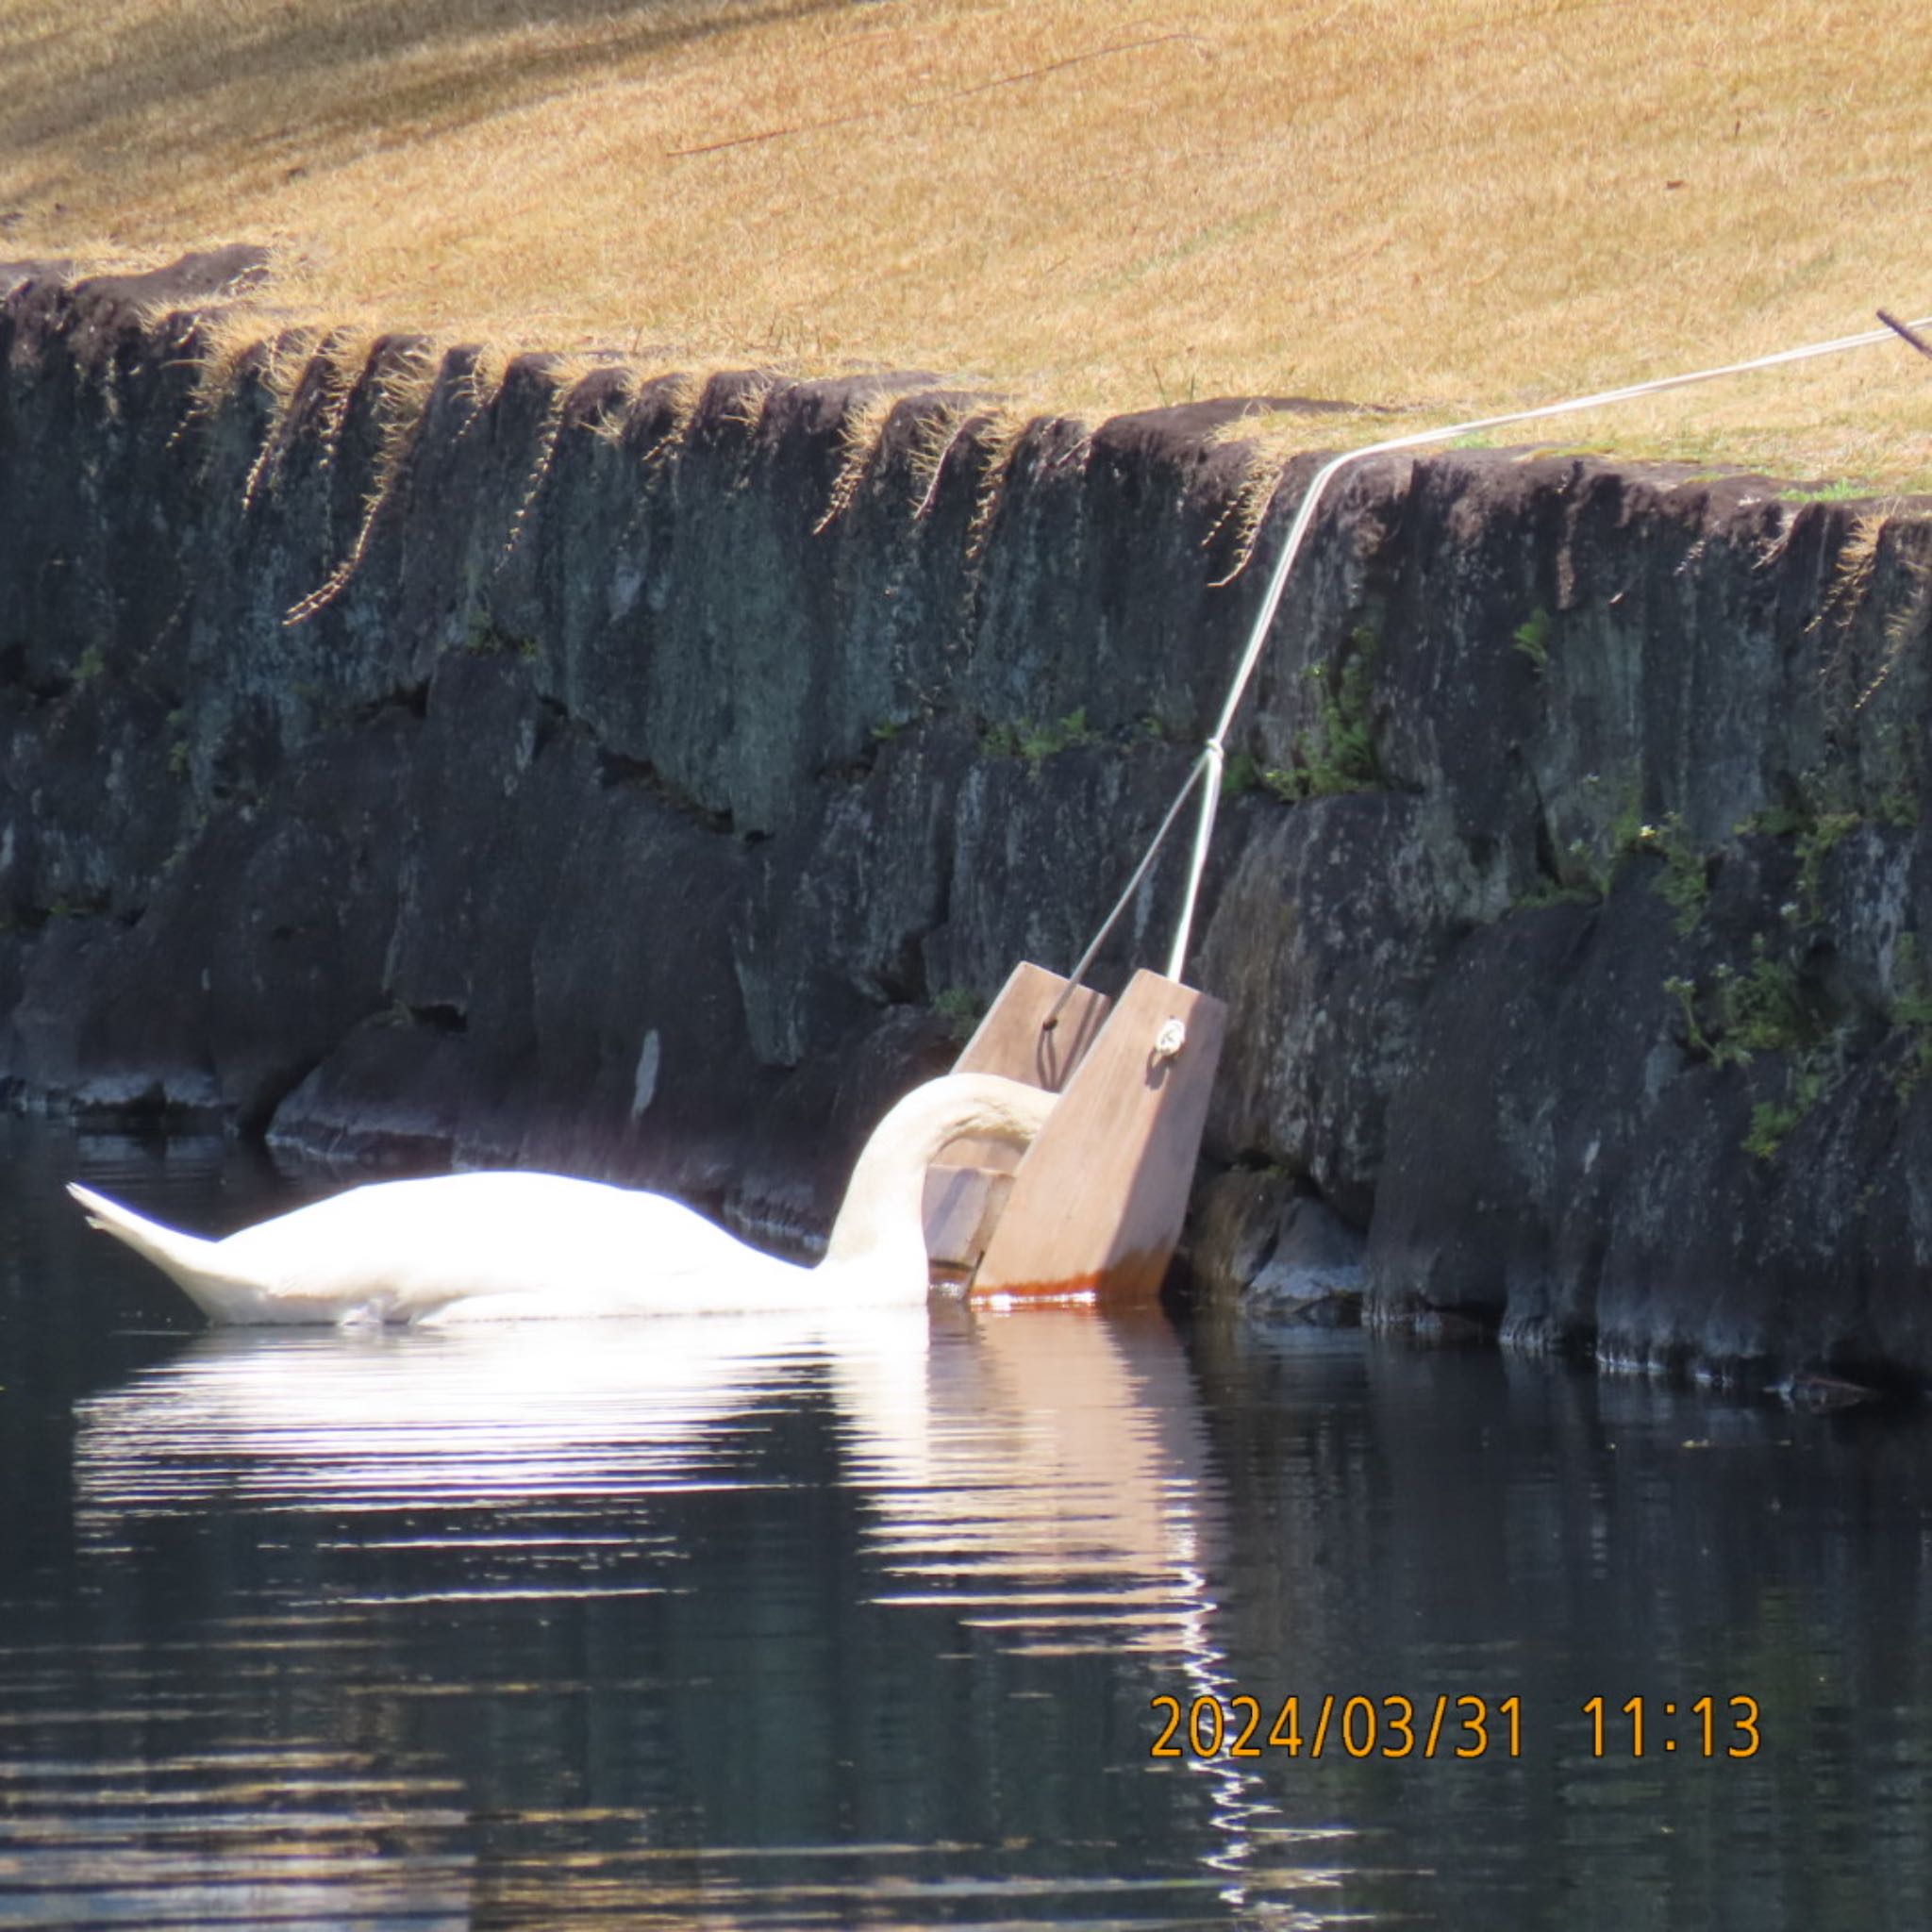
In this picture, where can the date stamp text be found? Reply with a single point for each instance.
(1448, 1725)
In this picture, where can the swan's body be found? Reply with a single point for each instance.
(510, 1247)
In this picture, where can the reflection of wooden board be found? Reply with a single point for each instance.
(1095, 1206)
(967, 1186)
(1098, 1201)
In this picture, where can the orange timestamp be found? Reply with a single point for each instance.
(1336, 1726)
(1703, 1726)
(1468, 1726)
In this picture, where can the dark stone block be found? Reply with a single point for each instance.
(401, 759)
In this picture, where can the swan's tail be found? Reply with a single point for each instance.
(184, 1259)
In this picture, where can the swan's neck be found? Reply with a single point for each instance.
(881, 1225)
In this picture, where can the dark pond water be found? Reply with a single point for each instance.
(754, 1623)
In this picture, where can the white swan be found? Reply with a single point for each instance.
(503, 1246)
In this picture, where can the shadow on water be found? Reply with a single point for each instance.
(792, 1620)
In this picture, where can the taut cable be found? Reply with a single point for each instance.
(1213, 753)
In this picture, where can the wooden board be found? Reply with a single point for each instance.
(962, 1208)
(966, 1186)
(1098, 1201)
(1012, 1039)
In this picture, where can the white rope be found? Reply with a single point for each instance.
(1213, 753)
(1133, 886)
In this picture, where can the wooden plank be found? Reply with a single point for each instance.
(1098, 1201)
(962, 1200)
(962, 1209)
(1012, 1039)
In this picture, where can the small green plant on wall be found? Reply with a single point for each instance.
(483, 636)
(1532, 637)
(1760, 1010)
(1771, 1120)
(1763, 1010)
(1244, 774)
(961, 1009)
(1338, 753)
(1035, 743)
(1818, 822)
(1911, 1013)
(1683, 884)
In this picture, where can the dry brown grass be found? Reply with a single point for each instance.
(1095, 204)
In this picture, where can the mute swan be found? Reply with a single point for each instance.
(503, 1246)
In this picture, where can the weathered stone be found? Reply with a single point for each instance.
(1324, 941)
(400, 754)
(1282, 1250)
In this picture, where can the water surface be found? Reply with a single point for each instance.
(772, 1622)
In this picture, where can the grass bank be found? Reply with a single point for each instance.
(1435, 209)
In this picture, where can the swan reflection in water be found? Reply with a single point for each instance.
(1039, 1474)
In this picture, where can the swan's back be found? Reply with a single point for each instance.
(496, 1246)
